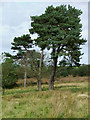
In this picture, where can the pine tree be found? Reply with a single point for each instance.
(22, 45)
(35, 66)
(40, 41)
(59, 29)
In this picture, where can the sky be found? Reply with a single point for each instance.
(15, 21)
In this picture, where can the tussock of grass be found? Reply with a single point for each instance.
(66, 101)
(68, 104)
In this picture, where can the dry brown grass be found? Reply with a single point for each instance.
(72, 79)
(68, 79)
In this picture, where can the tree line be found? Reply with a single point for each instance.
(12, 71)
(59, 30)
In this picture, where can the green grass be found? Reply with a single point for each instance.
(66, 101)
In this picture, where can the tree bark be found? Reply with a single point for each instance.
(40, 67)
(37, 84)
(51, 81)
(25, 78)
(25, 73)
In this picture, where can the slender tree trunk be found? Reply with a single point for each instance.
(25, 73)
(51, 81)
(37, 84)
(40, 67)
(39, 88)
(25, 78)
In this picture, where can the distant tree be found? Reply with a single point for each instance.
(34, 60)
(62, 71)
(22, 45)
(83, 70)
(9, 76)
(75, 71)
(59, 29)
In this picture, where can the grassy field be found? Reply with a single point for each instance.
(68, 100)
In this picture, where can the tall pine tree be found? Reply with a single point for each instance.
(59, 29)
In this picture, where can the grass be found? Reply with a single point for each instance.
(68, 100)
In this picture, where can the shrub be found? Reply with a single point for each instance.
(75, 71)
(61, 71)
(9, 76)
(83, 70)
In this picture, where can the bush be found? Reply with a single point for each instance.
(75, 71)
(9, 76)
(61, 71)
(20, 72)
(83, 70)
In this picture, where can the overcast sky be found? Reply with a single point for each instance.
(16, 21)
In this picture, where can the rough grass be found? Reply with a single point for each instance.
(68, 79)
(68, 100)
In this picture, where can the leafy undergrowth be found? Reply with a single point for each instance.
(68, 100)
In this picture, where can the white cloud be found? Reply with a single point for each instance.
(9, 32)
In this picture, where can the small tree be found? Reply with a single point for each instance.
(22, 45)
(9, 76)
(34, 59)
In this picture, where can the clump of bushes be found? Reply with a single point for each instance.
(74, 71)
(9, 75)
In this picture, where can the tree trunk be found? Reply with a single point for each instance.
(25, 78)
(25, 73)
(40, 67)
(51, 81)
(37, 84)
(40, 88)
